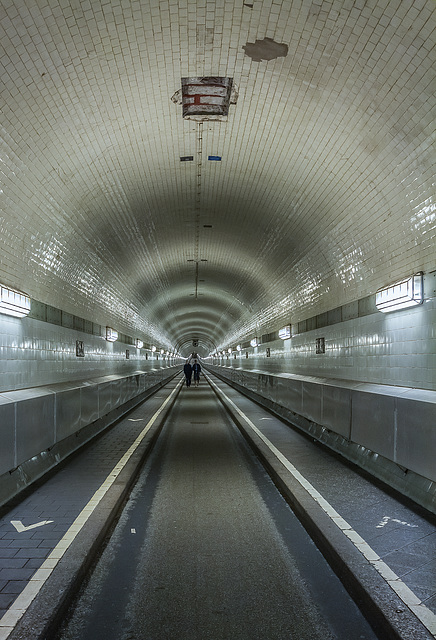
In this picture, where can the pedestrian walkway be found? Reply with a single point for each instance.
(32, 527)
(401, 534)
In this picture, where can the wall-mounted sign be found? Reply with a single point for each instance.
(80, 349)
(320, 345)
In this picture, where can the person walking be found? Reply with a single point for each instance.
(187, 370)
(196, 368)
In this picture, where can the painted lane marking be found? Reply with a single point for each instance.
(19, 526)
(132, 530)
(31, 590)
(425, 615)
(135, 419)
(386, 519)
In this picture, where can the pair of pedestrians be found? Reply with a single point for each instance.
(189, 369)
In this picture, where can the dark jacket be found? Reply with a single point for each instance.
(196, 368)
(187, 370)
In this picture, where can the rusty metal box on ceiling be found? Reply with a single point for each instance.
(208, 96)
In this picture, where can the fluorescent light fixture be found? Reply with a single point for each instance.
(229, 350)
(254, 342)
(139, 343)
(14, 303)
(238, 347)
(111, 334)
(162, 351)
(153, 348)
(285, 332)
(401, 295)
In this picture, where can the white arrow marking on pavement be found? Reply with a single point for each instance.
(20, 526)
(387, 518)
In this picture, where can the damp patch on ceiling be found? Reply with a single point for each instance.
(206, 98)
(266, 49)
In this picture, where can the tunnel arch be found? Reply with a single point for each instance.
(323, 190)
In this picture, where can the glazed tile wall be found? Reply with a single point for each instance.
(34, 353)
(326, 186)
(398, 349)
(395, 349)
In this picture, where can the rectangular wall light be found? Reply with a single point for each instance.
(111, 334)
(14, 303)
(285, 332)
(401, 295)
(139, 343)
(254, 342)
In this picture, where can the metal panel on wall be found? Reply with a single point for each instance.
(416, 433)
(68, 411)
(35, 422)
(7, 435)
(336, 409)
(373, 422)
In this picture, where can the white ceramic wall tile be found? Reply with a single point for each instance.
(393, 349)
(325, 191)
(44, 354)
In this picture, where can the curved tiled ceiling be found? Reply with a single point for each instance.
(325, 189)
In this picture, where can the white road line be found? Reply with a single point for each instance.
(19, 526)
(425, 615)
(29, 593)
(386, 519)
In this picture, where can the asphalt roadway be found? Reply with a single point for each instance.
(206, 548)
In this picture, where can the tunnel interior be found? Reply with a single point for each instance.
(304, 185)
(249, 183)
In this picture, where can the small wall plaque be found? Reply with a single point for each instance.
(320, 345)
(80, 349)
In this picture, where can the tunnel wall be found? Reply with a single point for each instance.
(396, 349)
(361, 344)
(41, 426)
(388, 431)
(35, 353)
